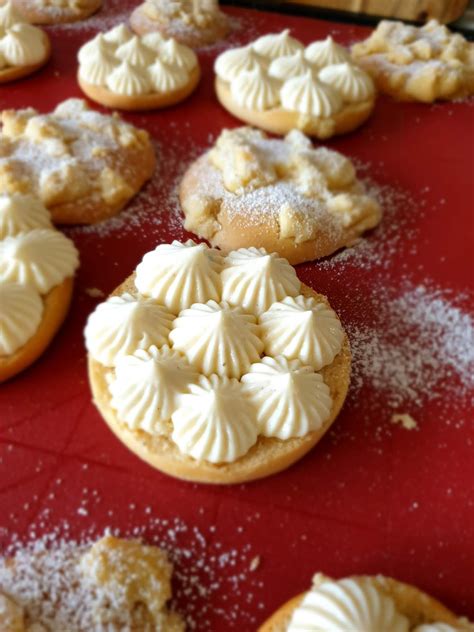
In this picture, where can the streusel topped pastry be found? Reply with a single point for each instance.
(364, 604)
(125, 71)
(83, 165)
(23, 47)
(112, 584)
(418, 63)
(280, 194)
(278, 84)
(217, 369)
(192, 23)
(57, 11)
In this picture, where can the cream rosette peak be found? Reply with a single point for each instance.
(187, 358)
(129, 65)
(21, 44)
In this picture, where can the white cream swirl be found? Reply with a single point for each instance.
(326, 52)
(123, 324)
(99, 45)
(308, 95)
(129, 80)
(255, 90)
(277, 45)
(347, 604)
(20, 315)
(217, 338)
(302, 328)
(255, 279)
(436, 627)
(154, 41)
(146, 386)
(9, 16)
(118, 35)
(290, 398)
(40, 257)
(21, 213)
(97, 68)
(232, 62)
(166, 78)
(135, 53)
(288, 66)
(24, 45)
(178, 55)
(180, 274)
(214, 422)
(352, 82)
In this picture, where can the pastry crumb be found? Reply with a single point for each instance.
(94, 292)
(254, 563)
(405, 420)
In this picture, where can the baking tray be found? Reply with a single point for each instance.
(372, 497)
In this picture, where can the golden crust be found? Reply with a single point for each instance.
(230, 230)
(194, 37)
(36, 14)
(266, 457)
(416, 605)
(18, 72)
(56, 305)
(280, 121)
(104, 96)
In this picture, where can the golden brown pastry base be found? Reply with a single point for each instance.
(193, 37)
(416, 605)
(140, 161)
(56, 305)
(18, 72)
(280, 121)
(404, 88)
(266, 457)
(104, 96)
(36, 15)
(230, 230)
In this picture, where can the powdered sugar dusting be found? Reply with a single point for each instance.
(207, 576)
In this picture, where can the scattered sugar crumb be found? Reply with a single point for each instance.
(254, 563)
(405, 420)
(94, 292)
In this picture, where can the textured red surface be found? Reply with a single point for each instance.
(365, 500)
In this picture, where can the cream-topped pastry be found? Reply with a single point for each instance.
(123, 70)
(192, 23)
(363, 604)
(203, 397)
(277, 84)
(56, 11)
(37, 266)
(24, 48)
(84, 166)
(286, 196)
(418, 63)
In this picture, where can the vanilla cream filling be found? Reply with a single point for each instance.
(23, 45)
(307, 95)
(133, 66)
(21, 213)
(20, 315)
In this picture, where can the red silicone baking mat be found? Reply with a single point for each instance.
(373, 496)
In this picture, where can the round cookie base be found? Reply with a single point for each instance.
(416, 605)
(153, 101)
(56, 306)
(18, 72)
(268, 456)
(194, 37)
(229, 230)
(411, 91)
(281, 121)
(35, 15)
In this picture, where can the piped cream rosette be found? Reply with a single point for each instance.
(364, 604)
(217, 369)
(122, 70)
(37, 265)
(278, 85)
(23, 47)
